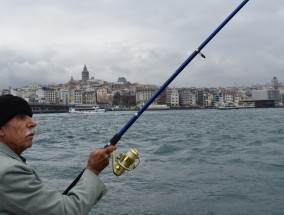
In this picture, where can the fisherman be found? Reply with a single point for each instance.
(21, 190)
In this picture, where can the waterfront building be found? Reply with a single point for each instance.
(89, 97)
(228, 98)
(40, 96)
(174, 98)
(102, 95)
(71, 96)
(209, 99)
(240, 96)
(200, 100)
(267, 94)
(22, 92)
(192, 99)
(75, 97)
(221, 100)
(143, 94)
(122, 88)
(217, 96)
(168, 96)
(78, 97)
(187, 97)
(184, 97)
(63, 96)
(162, 98)
(46, 95)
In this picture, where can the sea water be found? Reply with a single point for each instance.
(205, 162)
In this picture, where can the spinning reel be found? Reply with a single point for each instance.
(125, 161)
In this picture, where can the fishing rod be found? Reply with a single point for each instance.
(114, 140)
(126, 161)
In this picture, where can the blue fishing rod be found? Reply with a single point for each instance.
(126, 161)
(118, 136)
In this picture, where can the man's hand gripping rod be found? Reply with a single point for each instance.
(127, 161)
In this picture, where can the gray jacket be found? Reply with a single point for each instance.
(23, 193)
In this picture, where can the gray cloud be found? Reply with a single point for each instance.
(144, 41)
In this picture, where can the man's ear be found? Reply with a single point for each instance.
(1, 132)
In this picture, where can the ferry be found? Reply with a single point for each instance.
(86, 109)
(228, 106)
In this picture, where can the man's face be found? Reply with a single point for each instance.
(18, 133)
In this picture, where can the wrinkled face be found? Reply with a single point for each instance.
(18, 133)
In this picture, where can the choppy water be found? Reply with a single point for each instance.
(205, 162)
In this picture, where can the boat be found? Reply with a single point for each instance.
(228, 106)
(86, 109)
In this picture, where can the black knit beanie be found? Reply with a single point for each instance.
(11, 105)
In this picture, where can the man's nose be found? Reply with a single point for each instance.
(32, 122)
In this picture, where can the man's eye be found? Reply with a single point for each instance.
(21, 116)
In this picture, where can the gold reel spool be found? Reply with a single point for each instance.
(125, 161)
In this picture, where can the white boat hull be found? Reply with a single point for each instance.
(84, 110)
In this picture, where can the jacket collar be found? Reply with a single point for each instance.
(8, 151)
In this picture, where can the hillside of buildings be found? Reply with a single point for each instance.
(125, 95)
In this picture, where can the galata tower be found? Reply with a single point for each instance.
(85, 74)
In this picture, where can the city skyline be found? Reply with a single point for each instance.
(88, 77)
(48, 42)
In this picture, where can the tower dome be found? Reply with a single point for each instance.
(85, 74)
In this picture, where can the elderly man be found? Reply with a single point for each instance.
(21, 190)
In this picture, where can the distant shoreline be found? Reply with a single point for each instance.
(42, 109)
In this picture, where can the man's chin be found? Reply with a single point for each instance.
(29, 142)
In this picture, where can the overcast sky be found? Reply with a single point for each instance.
(144, 41)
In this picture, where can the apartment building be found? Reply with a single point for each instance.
(143, 94)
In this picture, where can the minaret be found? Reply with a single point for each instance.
(85, 74)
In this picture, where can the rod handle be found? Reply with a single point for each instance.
(113, 141)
